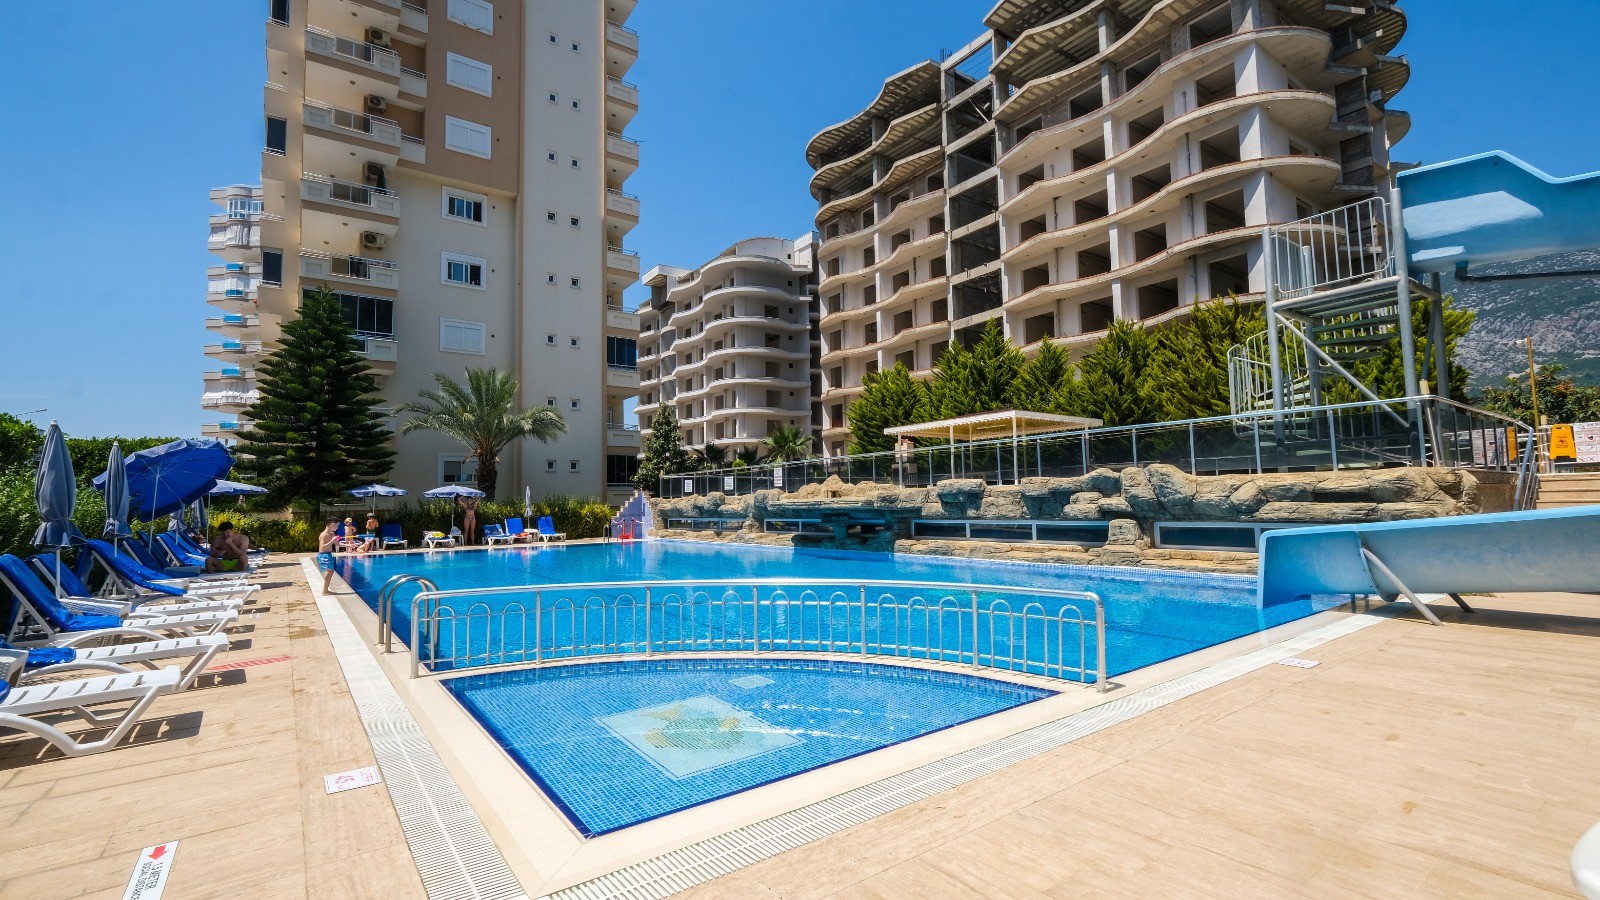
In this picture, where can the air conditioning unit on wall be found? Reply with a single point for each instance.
(376, 104)
(372, 240)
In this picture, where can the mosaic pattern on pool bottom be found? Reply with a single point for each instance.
(616, 744)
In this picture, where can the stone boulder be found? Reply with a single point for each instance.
(1403, 486)
(1390, 512)
(1002, 503)
(1103, 481)
(1140, 494)
(1123, 531)
(1314, 513)
(959, 495)
(1213, 498)
(1174, 489)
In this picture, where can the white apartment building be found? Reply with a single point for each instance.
(1090, 160)
(455, 170)
(732, 346)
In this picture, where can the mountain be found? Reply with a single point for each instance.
(1562, 315)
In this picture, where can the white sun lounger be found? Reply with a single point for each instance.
(117, 658)
(22, 707)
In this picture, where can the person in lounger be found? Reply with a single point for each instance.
(228, 553)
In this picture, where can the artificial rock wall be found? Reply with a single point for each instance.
(1131, 500)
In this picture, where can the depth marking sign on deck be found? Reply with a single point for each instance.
(1298, 663)
(355, 778)
(150, 872)
(247, 663)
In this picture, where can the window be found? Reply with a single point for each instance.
(554, 98)
(466, 137)
(464, 205)
(455, 468)
(573, 342)
(574, 404)
(549, 401)
(576, 104)
(621, 469)
(551, 155)
(575, 163)
(549, 465)
(576, 281)
(461, 336)
(572, 465)
(280, 12)
(466, 271)
(549, 215)
(550, 278)
(272, 266)
(622, 352)
(475, 14)
(369, 316)
(575, 221)
(550, 339)
(469, 74)
(277, 135)
(575, 47)
(554, 39)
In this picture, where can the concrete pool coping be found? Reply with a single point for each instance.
(547, 854)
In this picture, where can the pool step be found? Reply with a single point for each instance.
(1571, 489)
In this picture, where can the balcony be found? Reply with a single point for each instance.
(233, 323)
(413, 17)
(381, 352)
(623, 206)
(374, 133)
(350, 270)
(234, 283)
(622, 103)
(622, 262)
(229, 400)
(414, 83)
(234, 350)
(622, 320)
(229, 373)
(334, 211)
(622, 49)
(364, 60)
(622, 437)
(622, 155)
(625, 377)
(222, 430)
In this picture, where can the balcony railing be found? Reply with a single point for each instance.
(623, 146)
(328, 117)
(380, 60)
(324, 188)
(376, 272)
(622, 36)
(625, 91)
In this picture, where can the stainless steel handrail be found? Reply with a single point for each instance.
(429, 604)
(385, 605)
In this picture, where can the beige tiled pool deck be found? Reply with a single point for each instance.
(1414, 761)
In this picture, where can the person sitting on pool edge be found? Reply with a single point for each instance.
(229, 551)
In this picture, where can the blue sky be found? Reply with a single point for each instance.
(118, 123)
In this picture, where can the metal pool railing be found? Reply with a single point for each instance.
(1038, 631)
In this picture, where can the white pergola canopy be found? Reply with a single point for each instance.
(1008, 423)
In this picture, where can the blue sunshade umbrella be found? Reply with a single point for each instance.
(451, 492)
(234, 489)
(55, 493)
(375, 491)
(116, 497)
(164, 479)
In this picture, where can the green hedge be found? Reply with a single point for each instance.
(579, 517)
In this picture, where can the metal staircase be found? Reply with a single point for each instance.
(1334, 298)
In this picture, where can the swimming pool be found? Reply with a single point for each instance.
(614, 744)
(1151, 615)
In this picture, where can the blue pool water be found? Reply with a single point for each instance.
(618, 743)
(1151, 615)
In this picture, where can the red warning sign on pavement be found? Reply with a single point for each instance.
(150, 872)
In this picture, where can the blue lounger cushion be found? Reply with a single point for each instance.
(125, 568)
(41, 598)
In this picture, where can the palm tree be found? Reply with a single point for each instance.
(482, 415)
(787, 442)
(713, 457)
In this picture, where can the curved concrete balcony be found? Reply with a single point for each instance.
(719, 325)
(234, 325)
(1312, 174)
(1084, 341)
(229, 401)
(712, 415)
(906, 252)
(907, 337)
(905, 136)
(901, 173)
(1044, 48)
(908, 89)
(927, 203)
(757, 353)
(234, 351)
(848, 353)
(233, 286)
(720, 298)
(1045, 296)
(1302, 112)
(834, 282)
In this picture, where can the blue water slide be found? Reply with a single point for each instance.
(1494, 207)
(1532, 550)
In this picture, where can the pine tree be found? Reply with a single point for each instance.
(976, 380)
(1385, 373)
(1113, 377)
(889, 398)
(1047, 383)
(664, 453)
(315, 432)
(1188, 376)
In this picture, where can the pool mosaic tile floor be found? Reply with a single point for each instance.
(619, 743)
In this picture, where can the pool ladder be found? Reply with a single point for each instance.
(386, 605)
